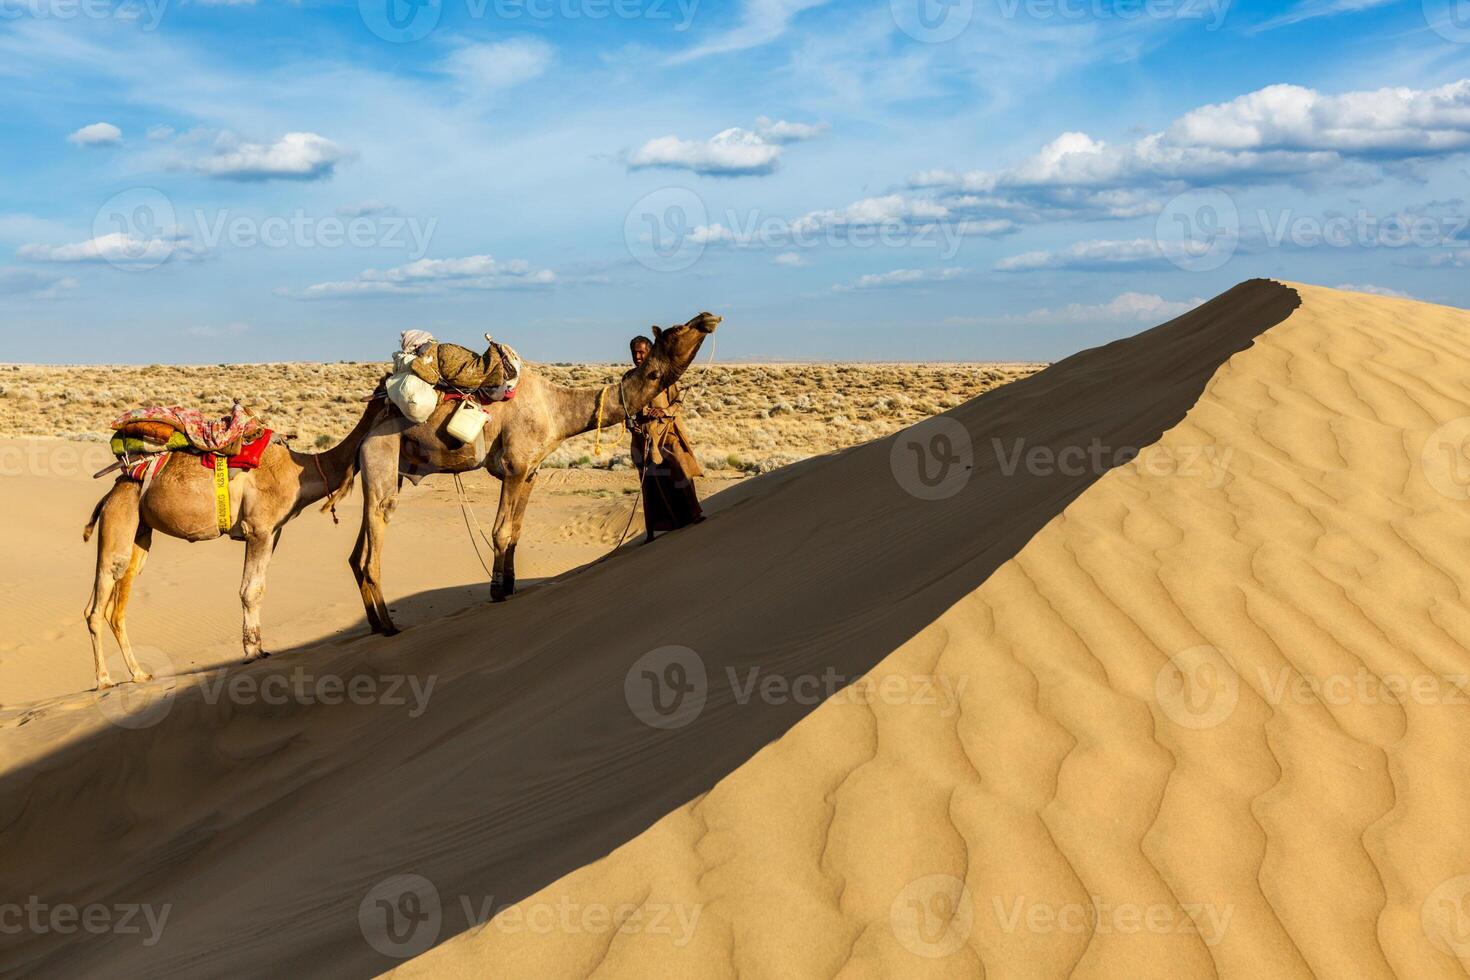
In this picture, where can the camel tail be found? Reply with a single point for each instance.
(344, 489)
(92, 523)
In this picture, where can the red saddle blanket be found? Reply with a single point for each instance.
(248, 458)
(481, 396)
(205, 435)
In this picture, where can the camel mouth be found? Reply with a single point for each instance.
(706, 322)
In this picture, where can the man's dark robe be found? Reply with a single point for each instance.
(664, 455)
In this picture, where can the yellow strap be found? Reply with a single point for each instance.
(222, 492)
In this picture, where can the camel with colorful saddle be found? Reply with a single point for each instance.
(199, 479)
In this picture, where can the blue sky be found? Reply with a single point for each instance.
(915, 179)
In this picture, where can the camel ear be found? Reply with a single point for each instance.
(657, 333)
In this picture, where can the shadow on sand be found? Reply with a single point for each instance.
(262, 827)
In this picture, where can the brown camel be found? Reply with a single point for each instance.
(180, 502)
(517, 436)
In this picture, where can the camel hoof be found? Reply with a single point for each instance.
(142, 678)
(104, 685)
(390, 630)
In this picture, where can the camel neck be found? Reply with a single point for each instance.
(324, 472)
(578, 408)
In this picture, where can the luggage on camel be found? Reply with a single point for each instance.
(453, 366)
(237, 441)
(414, 396)
(423, 368)
(224, 436)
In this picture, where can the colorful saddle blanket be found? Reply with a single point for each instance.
(248, 458)
(226, 436)
(126, 444)
(143, 465)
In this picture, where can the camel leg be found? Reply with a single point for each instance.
(513, 487)
(378, 461)
(117, 524)
(357, 561)
(117, 615)
(515, 532)
(258, 550)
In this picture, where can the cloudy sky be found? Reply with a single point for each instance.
(218, 180)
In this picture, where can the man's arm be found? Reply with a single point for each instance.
(673, 397)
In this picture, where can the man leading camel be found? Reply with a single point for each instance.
(664, 456)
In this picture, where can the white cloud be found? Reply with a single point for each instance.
(1146, 308)
(792, 260)
(734, 152)
(1395, 122)
(1090, 255)
(1313, 9)
(899, 277)
(295, 156)
(1358, 287)
(118, 248)
(905, 212)
(33, 285)
(437, 275)
(782, 132)
(890, 209)
(97, 134)
(761, 22)
(160, 133)
(490, 67)
(1279, 133)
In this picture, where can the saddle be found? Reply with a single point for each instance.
(450, 367)
(240, 437)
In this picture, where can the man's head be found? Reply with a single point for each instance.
(641, 347)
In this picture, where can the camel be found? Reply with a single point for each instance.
(180, 502)
(517, 436)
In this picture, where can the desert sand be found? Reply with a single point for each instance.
(1151, 664)
(185, 615)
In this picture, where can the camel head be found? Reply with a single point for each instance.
(674, 349)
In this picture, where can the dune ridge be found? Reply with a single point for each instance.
(1271, 835)
(1095, 748)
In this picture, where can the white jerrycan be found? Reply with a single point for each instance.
(468, 421)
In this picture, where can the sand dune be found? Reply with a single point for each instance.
(1120, 713)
